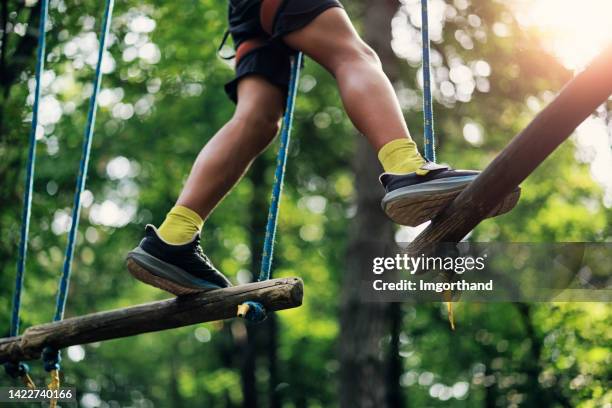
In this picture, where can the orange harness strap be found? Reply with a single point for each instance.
(247, 46)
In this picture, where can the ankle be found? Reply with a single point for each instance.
(180, 225)
(400, 156)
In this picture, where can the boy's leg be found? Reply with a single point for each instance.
(417, 191)
(366, 92)
(226, 157)
(171, 258)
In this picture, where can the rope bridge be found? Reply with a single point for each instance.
(252, 301)
(578, 99)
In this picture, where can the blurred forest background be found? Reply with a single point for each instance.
(162, 98)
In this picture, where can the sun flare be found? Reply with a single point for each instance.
(575, 31)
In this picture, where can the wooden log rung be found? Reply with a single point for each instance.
(274, 294)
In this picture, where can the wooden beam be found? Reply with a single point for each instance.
(576, 101)
(274, 294)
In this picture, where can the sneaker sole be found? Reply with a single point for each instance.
(414, 205)
(155, 272)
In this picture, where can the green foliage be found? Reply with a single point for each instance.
(163, 99)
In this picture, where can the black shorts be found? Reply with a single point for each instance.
(273, 59)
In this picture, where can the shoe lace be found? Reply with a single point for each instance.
(200, 252)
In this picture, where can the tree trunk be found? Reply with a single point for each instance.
(395, 397)
(377, 33)
(175, 393)
(261, 338)
(379, 14)
(256, 236)
(536, 394)
(274, 397)
(247, 369)
(364, 325)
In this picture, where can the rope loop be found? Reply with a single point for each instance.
(51, 358)
(20, 370)
(16, 370)
(252, 311)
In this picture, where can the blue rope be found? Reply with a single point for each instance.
(257, 311)
(29, 184)
(51, 357)
(428, 119)
(20, 369)
(279, 174)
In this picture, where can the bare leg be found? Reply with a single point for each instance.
(367, 94)
(227, 156)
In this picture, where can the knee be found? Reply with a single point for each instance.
(367, 54)
(259, 128)
(357, 53)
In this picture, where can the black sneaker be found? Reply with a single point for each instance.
(178, 269)
(412, 199)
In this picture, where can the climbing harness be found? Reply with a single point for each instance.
(267, 14)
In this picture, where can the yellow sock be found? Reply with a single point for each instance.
(180, 225)
(401, 156)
